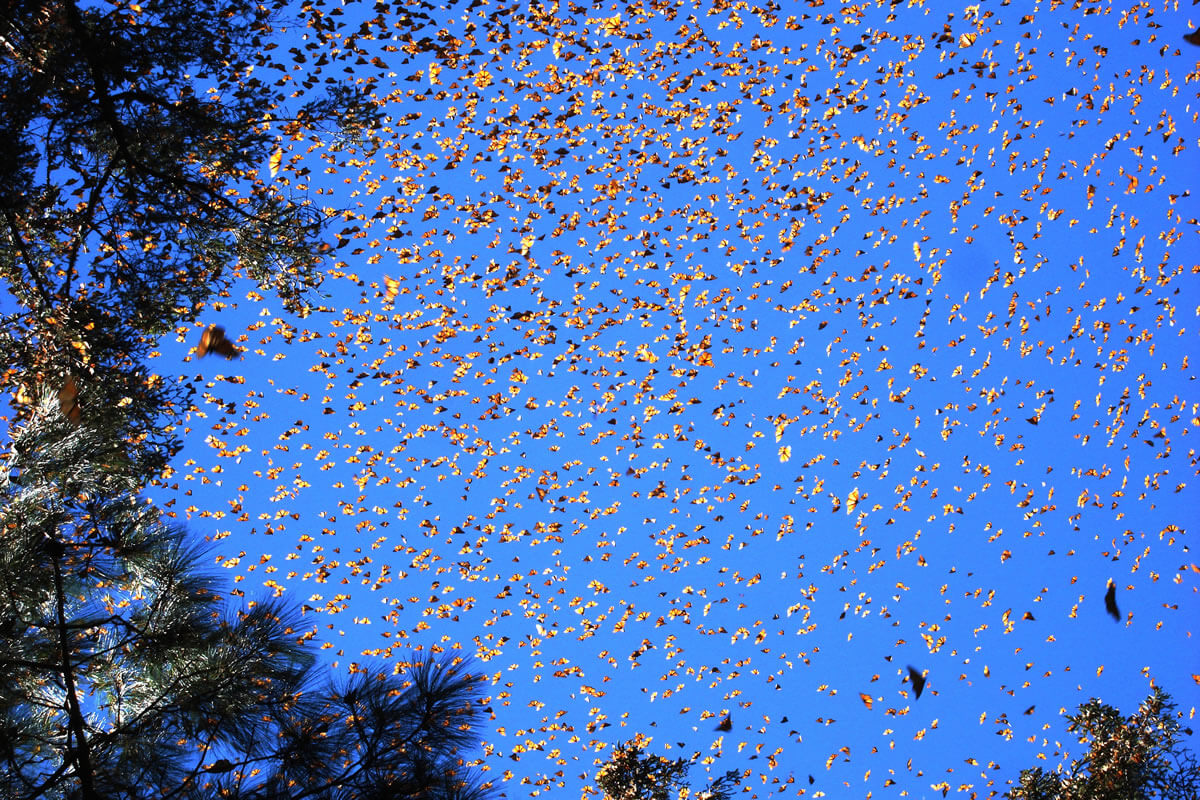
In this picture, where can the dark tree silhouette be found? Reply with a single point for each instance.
(134, 136)
(134, 187)
(631, 773)
(125, 674)
(1129, 758)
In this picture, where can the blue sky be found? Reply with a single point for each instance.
(706, 381)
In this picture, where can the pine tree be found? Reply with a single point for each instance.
(130, 196)
(1135, 758)
(135, 183)
(632, 773)
(124, 674)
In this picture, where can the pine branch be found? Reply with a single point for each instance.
(80, 752)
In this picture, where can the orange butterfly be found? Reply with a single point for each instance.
(393, 289)
(68, 401)
(852, 500)
(213, 340)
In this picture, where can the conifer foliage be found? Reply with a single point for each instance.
(130, 196)
(124, 674)
(137, 179)
(1140, 756)
(633, 773)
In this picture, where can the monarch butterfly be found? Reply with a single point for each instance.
(1110, 601)
(852, 500)
(213, 341)
(68, 401)
(918, 680)
(393, 289)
